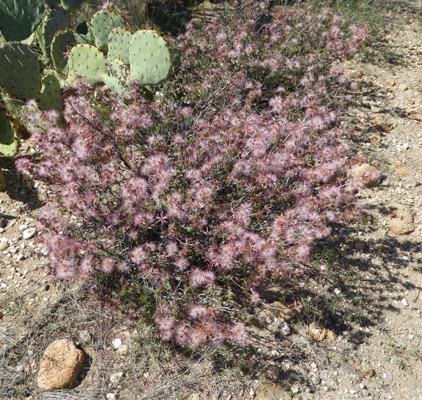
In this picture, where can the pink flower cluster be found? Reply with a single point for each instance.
(225, 184)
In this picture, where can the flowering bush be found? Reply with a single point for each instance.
(214, 191)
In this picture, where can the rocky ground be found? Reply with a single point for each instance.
(359, 335)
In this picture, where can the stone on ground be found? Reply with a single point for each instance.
(60, 365)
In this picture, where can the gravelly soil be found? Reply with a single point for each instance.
(370, 300)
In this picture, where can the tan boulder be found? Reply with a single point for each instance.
(318, 331)
(60, 365)
(368, 173)
(381, 124)
(285, 312)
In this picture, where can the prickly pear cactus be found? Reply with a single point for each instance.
(13, 106)
(118, 44)
(20, 18)
(71, 4)
(51, 91)
(52, 3)
(87, 62)
(8, 139)
(20, 70)
(118, 77)
(61, 42)
(102, 23)
(83, 33)
(149, 58)
(56, 19)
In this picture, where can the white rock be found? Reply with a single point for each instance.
(404, 302)
(285, 328)
(116, 343)
(337, 291)
(28, 233)
(116, 377)
(111, 396)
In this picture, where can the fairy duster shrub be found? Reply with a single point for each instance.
(216, 189)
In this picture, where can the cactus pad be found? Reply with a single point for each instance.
(13, 106)
(61, 42)
(71, 4)
(83, 33)
(51, 92)
(118, 44)
(149, 58)
(8, 140)
(19, 19)
(56, 19)
(52, 3)
(102, 23)
(118, 77)
(20, 70)
(87, 62)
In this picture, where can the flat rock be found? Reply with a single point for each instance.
(269, 391)
(60, 365)
(402, 222)
(402, 169)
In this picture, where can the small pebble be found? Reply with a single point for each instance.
(116, 343)
(28, 233)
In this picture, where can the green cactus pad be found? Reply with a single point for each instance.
(61, 42)
(19, 19)
(83, 33)
(52, 3)
(71, 4)
(8, 139)
(30, 41)
(13, 106)
(149, 58)
(2, 39)
(55, 20)
(51, 92)
(118, 44)
(118, 77)
(102, 23)
(87, 62)
(20, 70)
